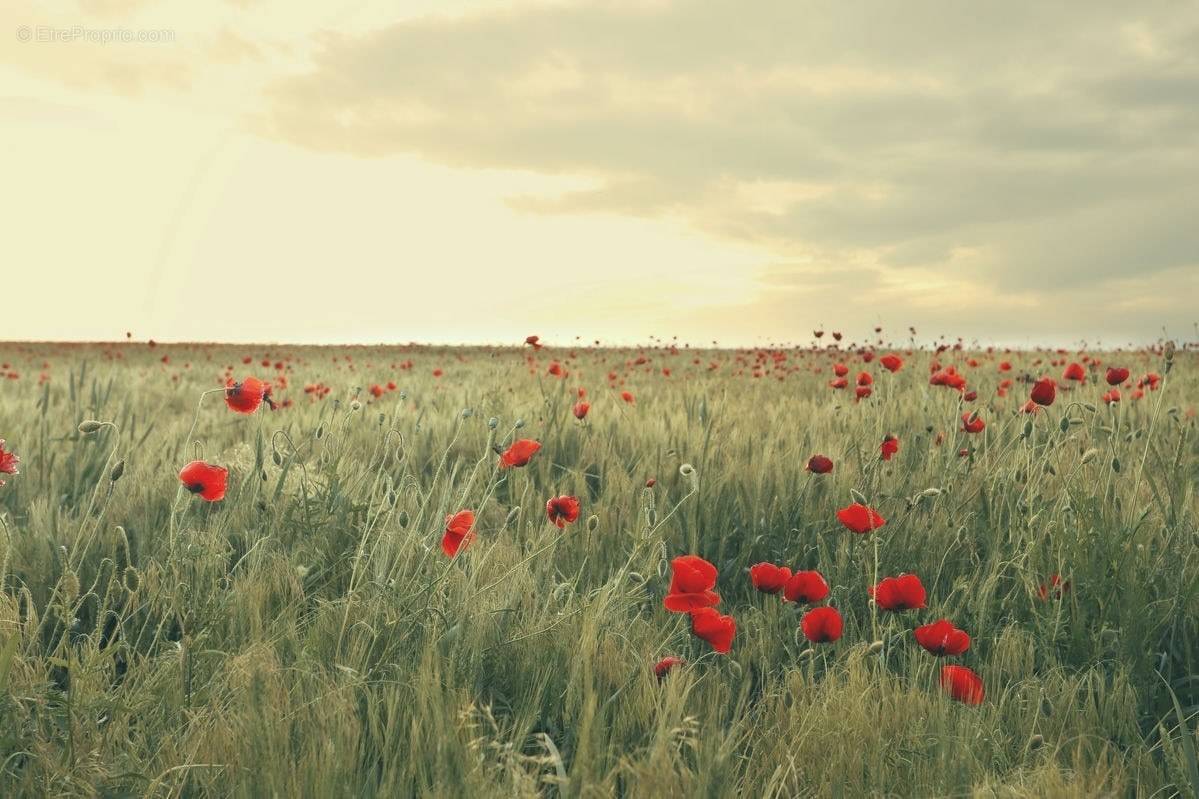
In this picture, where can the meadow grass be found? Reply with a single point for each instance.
(306, 636)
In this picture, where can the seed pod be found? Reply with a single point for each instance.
(493, 423)
(118, 469)
(89, 426)
(687, 470)
(519, 424)
(467, 413)
(636, 577)
(355, 406)
(403, 519)
(277, 458)
(1036, 741)
(1064, 424)
(592, 523)
(320, 430)
(1116, 465)
(1027, 428)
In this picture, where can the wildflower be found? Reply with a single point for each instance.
(889, 447)
(8, 461)
(1055, 588)
(1044, 391)
(822, 625)
(1075, 372)
(520, 453)
(459, 531)
(942, 638)
(580, 409)
(962, 684)
(205, 479)
(892, 363)
(807, 587)
(714, 627)
(972, 422)
(691, 584)
(1116, 375)
(562, 510)
(904, 592)
(768, 578)
(247, 396)
(819, 464)
(627, 396)
(663, 666)
(860, 519)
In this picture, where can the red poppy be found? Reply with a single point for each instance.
(892, 363)
(862, 392)
(840, 369)
(1044, 391)
(663, 666)
(1029, 407)
(555, 369)
(889, 447)
(1075, 372)
(840, 382)
(1111, 396)
(651, 482)
(1055, 588)
(714, 627)
(819, 464)
(972, 422)
(822, 625)
(562, 510)
(1116, 375)
(691, 583)
(768, 578)
(860, 519)
(962, 684)
(533, 341)
(942, 638)
(904, 592)
(627, 396)
(248, 395)
(865, 379)
(205, 479)
(8, 461)
(520, 453)
(581, 409)
(459, 531)
(806, 587)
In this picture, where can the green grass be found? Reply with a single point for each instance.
(307, 637)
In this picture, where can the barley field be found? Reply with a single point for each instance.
(308, 611)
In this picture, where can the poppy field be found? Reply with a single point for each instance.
(551, 570)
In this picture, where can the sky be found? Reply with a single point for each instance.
(463, 171)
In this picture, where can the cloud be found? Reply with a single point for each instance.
(1060, 148)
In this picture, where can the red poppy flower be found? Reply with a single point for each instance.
(840, 369)
(562, 510)
(205, 479)
(971, 396)
(714, 627)
(840, 382)
(806, 587)
(942, 638)
(555, 369)
(533, 341)
(691, 583)
(892, 363)
(860, 519)
(247, 396)
(889, 447)
(1111, 396)
(8, 461)
(862, 392)
(1055, 588)
(627, 396)
(1116, 375)
(1075, 372)
(768, 578)
(972, 422)
(904, 592)
(581, 409)
(962, 684)
(651, 482)
(822, 625)
(819, 464)
(663, 666)
(459, 531)
(520, 453)
(1029, 407)
(865, 379)
(1044, 391)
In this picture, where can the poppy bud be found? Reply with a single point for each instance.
(875, 648)
(89, 426)
(1064, 424)
(117, 470)
(636, 577)
(592, 523)
(320, 430)
(1036, 742)
(277, 458)
(132, 578)
(355, 406)
(1027, 428)
(519, 424)
(857, 496)
(403, 395)
(493, 423)
(382, 419)
(403, 519)
(1116, 465)
(467, 413)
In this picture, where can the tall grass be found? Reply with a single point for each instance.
(307, 637)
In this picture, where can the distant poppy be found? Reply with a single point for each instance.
(562, 510)
(892, 363)
(942, 638)
(663, 666)
(822, 625)
(627, 396)
(768, 578)
(520, 453)
(1111, 396)
(865, 379)
(205, 479)
(581, 409)
(651, 482)
(805, 587)
(962, 684)
(1056, 588)
(714, 627)
(862, 392)
(889, 447)
(459, 531)
(972, 422)
(1075, 372)
(533, 341)
(555, 369)
(840, 369)
(1116, 375)
(248, 395)
(819, 464)
(1029, 407)
(904, 592)
(859, 518)
(840, 382)
(1044, 391)
(8, 461)
(691, 583)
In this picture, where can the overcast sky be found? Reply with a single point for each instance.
(270, 170)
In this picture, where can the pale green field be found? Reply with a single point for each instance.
(306, 636)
